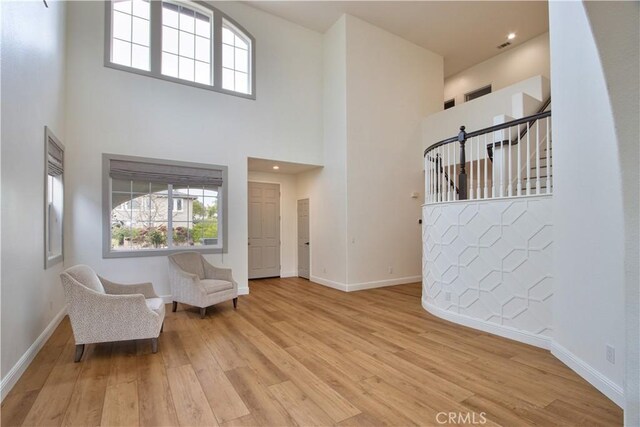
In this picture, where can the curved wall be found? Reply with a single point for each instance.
(487, 264)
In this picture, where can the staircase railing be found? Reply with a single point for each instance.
(546, 104)
(460, 168)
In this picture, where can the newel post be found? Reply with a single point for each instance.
(462, 176)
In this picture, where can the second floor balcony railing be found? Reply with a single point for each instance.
(506, 160)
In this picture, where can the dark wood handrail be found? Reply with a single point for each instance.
(489, 129)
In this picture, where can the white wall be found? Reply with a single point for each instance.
(377, 89)
(288, 218)
(588, 210)
(392, 85)
(326, 188)
(119, 112)
(517, 63)
(619, 54)
(33, 95)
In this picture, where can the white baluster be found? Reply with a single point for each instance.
(433, 176)
(448, 172)
(441, 174)
(493, 174)
(510, 185)
(519, 163)
(436, 173)
(502, 153)
(486, 159)
(471, 169)
(537, 157)
(528, 186)
(478, 193)
(454, 178)
(548, 157)
(430, 177)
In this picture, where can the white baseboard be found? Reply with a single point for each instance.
(289, 274)
(243, 291)
(586, 371)
(382, 283)
(23, 363)
(329, 283)
(493, 328)
(352, 287)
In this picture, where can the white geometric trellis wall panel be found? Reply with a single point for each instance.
(491, 260)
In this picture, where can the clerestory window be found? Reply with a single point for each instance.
(185, 42)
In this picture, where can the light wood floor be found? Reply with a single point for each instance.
(297, 353)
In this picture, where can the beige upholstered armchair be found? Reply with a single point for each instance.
(103, 311)
(196, 282)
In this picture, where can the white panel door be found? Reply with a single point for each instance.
(264, 230)
(303, 238)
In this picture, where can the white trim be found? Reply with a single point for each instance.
(329, 283)
(382, 283)
(289, 274)
(491, 199)
(344, 287)
(595, 378)
(23, 363)
(493, 328)
(243, 291)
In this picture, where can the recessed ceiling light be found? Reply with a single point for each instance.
(511, 36)
(276, 167)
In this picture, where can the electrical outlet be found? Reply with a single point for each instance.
(611, 354)
(447, 296)
(390, 270)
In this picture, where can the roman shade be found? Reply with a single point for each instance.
(55, 158)
(165, 173)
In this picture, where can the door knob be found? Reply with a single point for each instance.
(307, 243)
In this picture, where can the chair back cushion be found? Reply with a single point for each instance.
(86, 277)
(191, 262)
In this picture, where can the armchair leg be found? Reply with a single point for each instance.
(235, 303)
(154, 345)
(79, 351)
(162, 327)
(203, 311)
(175, 306)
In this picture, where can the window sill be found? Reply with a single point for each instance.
(161, 252)
(109, 64)
(53, 260)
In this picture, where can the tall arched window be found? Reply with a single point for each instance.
(236, 59)
(188, 42)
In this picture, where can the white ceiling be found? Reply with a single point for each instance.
(463, 32)
(266, 165)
